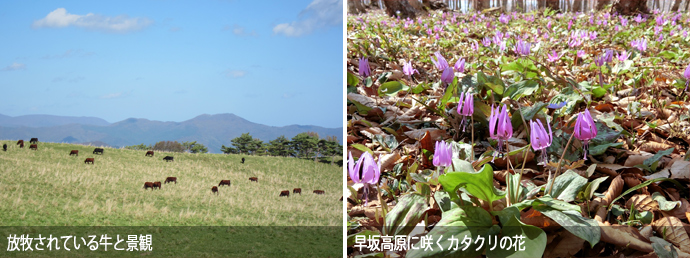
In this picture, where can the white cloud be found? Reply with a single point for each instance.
(14, 67)
(121, 23)
(319, 13)
(240, 31)
(235, 73)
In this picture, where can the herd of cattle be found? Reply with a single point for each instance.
(157, 184)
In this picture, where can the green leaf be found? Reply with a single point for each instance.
(587, 229)
(660, 245)
(527, 112)
(461, 166)
(664, 204)
(458, 223)
(362, 109)
(405, 215)
(444, 202)
(534, 240)
(362, 148)
(522, 88)
(392, 88)
(353, 194)
(566, 186)
(547, 202)
(479, 184)
(462, 151)
(592, 187)
(598, 92)
(352, 80)
(601, 148)
(668, 54)
(654, 160)
(646, 183)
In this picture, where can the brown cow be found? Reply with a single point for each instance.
(157, 184)
(148, 185)
(285, 193)
(171, 179)
(224, 182)
(74, 152)
(297, 190)
(20, 142)
(21, 145)
(33, 147)
(88, 160)
(254, 179)
(149, 153)
(214, 190)
(319, 192)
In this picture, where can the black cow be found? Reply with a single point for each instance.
(33, 140)
(214, 190)
(4, 147)
(168, 158)
(242, 160)
(98, 151)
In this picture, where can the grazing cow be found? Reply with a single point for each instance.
(319, 192)
(21, 145)
(20, 142)
(157, 184)
(242, 160)
(148, 185)
(88, 160)
(224, 182)
(214, 190)
(168, 158)
(285, 193)
(74, 152)
(98, 151)
(171, 179)
(33, 147)
(297, 191)
(33, 140)
(4, 147)
(254, 179)
(149, 153)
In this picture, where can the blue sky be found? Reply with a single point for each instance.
(270, 62)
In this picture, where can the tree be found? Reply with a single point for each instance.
(172, 146)
(229, 150)
(304, 144)
(195, 147)
(330, 147)
(244, 143)
(280, 147)
(138, 147)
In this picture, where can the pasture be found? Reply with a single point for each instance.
(48, 187)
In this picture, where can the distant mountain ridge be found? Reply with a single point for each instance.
(49, 120)
(210, 130)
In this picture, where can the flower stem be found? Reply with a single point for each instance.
(472, 148)
(384, 206)
(558, 168)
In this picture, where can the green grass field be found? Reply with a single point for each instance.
(48, 187)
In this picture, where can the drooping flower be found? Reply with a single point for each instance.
(581, 53)
(364, 69)
(440, 61)
(608, 55)
(447, 75)
(540, 139)
(365, 171)
(504, 19)
(500, 128)
(465, 107)
(553, 57)
(623, 55)
(599, 61)
(443, 154)
(486, 41)
(639, 44)
(460, 65)
(475, 46)
(522, 48)
(408, 70)
(585, 130)
(686, 74)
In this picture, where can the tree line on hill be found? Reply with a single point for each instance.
(303, 145)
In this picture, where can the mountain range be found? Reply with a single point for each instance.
(209, 130)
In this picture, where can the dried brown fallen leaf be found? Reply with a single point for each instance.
(654, 147)
(388, 161)
(614, 190)
(615, 234)
(609, 169)
(637, 159)
(565, 245)
(642, 202)
(671, 229)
